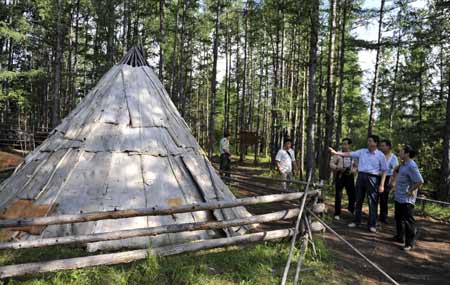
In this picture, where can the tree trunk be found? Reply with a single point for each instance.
(212, 139)
(161, 41)
(329, 115)
(444, 191)
(173, 72)
(374, 90)
(181, 97)
(244, 88)
(312, 88)
(58, 64)
(341, 74)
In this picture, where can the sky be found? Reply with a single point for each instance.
(367, 58)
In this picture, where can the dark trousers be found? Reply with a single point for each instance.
(348, 182)
(225, 163)
(405, 222)
(367, 184)
(384, 200)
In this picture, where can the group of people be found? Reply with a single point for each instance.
(379, 171)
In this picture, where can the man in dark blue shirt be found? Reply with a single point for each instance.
(407, 180)
(372, 169)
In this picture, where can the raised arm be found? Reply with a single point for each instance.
(340, 153)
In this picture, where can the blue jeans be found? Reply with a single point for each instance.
(367, 184)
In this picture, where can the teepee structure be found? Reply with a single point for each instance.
(125, 146)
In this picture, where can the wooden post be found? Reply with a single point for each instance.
(133, 255)
(154, 211)
(164, 229)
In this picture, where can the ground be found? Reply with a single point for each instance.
(428, 263)
(263, 263)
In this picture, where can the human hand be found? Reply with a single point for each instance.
(332, 151)
(412, 193)
(381, 189)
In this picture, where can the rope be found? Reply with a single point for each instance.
(354, 249)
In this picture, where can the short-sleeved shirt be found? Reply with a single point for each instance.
(408, 175)
(391, 164)
(224, 146)
(285, 157)
(370, 162)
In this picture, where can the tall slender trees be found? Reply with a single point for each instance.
(329, 114)
(374, 89)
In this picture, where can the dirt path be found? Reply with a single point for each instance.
(428, 263)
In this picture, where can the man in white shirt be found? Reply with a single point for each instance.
(284, 159)
(225, 154)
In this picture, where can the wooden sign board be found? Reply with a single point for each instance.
(249, 138)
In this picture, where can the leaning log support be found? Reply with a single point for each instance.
(129, 256)
(175, 228)
(154, 211)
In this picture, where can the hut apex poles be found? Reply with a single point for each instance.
(154, 211)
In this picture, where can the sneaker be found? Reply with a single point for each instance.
(373, 229)
(337, 218)
(407, 248)
(352, 225)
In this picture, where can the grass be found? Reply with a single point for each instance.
(435, 211)
(258, 265)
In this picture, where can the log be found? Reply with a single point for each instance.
(299, 182)
(250, 183)
(154, 211)
(174, 228)
(133, 255)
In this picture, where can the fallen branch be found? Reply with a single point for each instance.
(175, 228)
(129, 256)
(154, 211)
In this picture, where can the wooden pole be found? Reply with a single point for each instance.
(154, 211)
(174, 228)
(296, 230)
(315, 185)
(133, 255)
(250, 183)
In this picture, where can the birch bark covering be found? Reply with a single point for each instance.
(125, 146)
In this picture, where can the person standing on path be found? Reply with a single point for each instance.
(407, 181)
(225, 154)
(392, 162)
(344, 169)
(284, 159)
(372, 169)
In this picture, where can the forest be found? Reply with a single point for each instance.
(271, 69)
